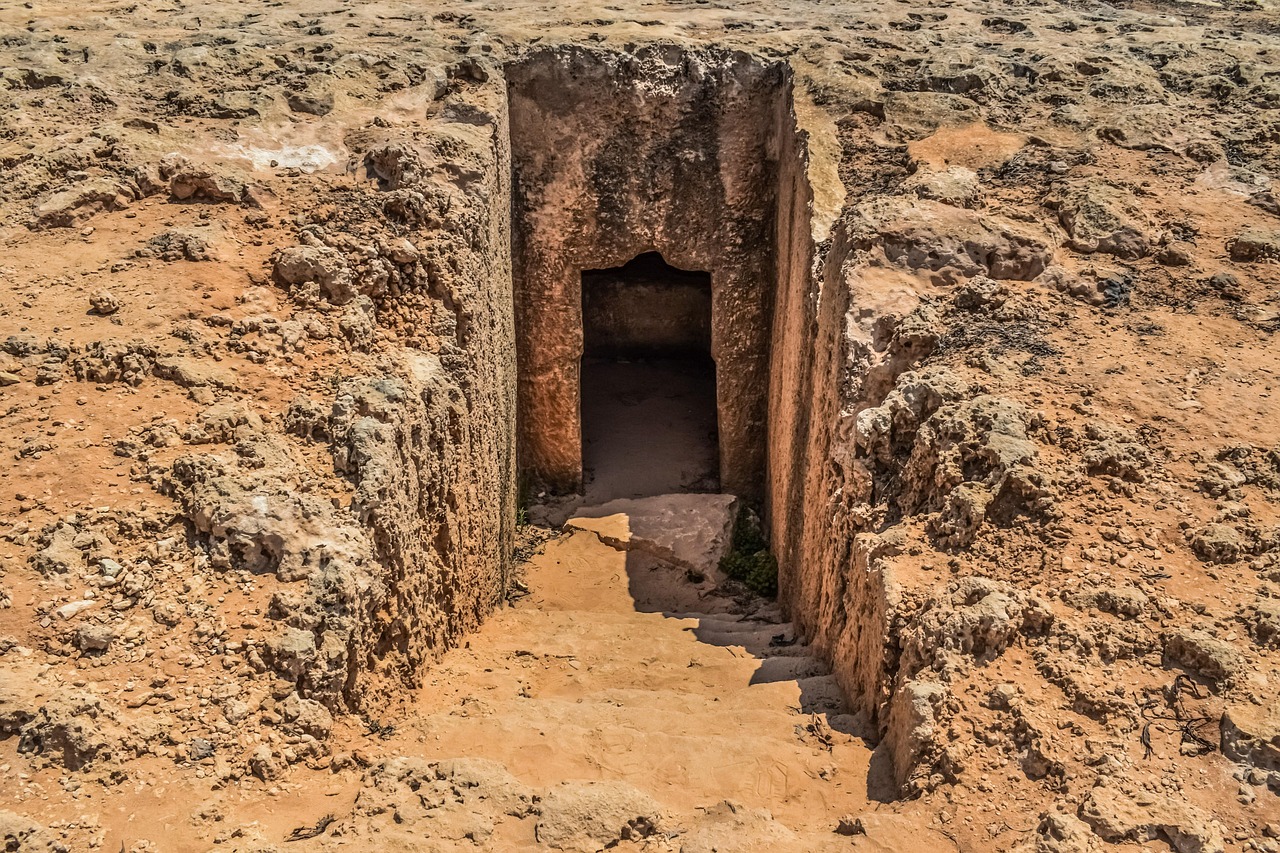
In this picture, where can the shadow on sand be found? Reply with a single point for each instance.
(730, 617)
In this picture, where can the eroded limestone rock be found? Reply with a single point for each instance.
(1202, 654)
(690, 531)
(1251, 735)
(1118, 815)
(584, 817)
(1099, 217)
(929, 235)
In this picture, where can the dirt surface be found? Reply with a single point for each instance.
(1005, 281)
(616, 667)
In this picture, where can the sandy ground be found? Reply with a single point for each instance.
(616, 667)
(613, 668)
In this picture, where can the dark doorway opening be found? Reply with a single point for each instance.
(649, 422)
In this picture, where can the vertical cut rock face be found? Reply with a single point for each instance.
(829, 578)
(435, 464)
(426, 436)
(618, 154)
(698, 155)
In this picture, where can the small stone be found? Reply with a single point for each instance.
(104, 303)
(402, 251)
(1175, 255)
(981, 292)
(199, 749)
(1227, 285)
(850, 825)
(1217, 543)
(1252, 246)
(176, 245)
(1251, 737)
(93, 637)
(311, 103)
(1203, 655)
(70, 609)
(307, 715)
(586, 816)
(265, 765)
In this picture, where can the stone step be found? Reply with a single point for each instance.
(691, 531)
(769, 613)
(730, 622)
(762, 638)
(744, 707)
(788, 669)
(820, 694)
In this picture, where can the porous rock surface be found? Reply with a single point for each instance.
(693, 532)
(999, 381)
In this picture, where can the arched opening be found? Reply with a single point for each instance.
(649, 423)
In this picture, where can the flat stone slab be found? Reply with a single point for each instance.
(692, 531)
(1251, 735)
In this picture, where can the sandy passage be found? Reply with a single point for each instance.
(617, 667)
